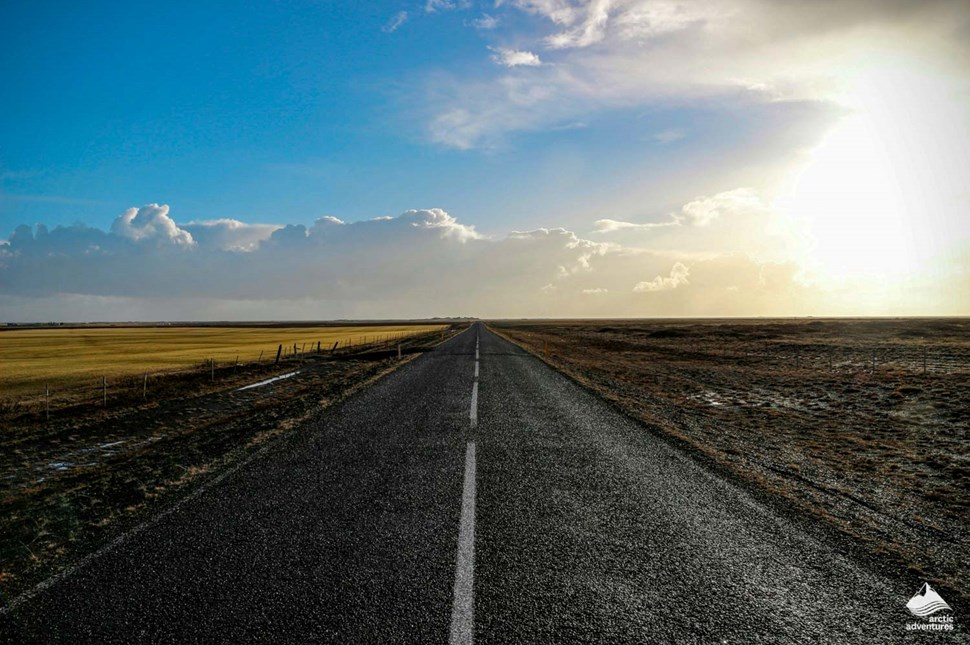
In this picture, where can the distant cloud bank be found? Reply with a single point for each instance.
(716, 256)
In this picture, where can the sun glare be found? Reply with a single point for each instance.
(872, 188)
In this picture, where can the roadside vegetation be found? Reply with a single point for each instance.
(66, 359)
(862, 423)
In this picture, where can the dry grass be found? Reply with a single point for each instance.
(30, 359)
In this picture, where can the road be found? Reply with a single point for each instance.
(473, 495)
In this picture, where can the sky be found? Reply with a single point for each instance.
(510, 158)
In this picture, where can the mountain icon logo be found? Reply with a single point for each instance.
(926, 602)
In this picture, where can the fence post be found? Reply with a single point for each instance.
(47, 401)
(260, 359)
(278, 352)
(318, 347)
(144, 391)
(104, 391)
(334, 349)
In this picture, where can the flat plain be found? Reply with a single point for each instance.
(862, 423)
(64, 358)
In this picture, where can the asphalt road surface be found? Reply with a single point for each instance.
(473, 495)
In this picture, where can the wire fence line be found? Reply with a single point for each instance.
(128, 387)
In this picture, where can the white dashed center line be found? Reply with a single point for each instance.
(473, 415)
(463, 605)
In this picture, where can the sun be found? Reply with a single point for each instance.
(879, 189)
(851, 197)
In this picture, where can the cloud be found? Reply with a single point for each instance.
(230, 234)
(150, 222)
(486, 22)
(426, 262)
(147, 254)
(699, 212)
(477, 114)
(588, 29)
(514, 58)
(431, 6)
(437, 219)
(605, 54)
(611, 225)
(421, 262)
(395, 22)
(703, 211)
(678, 277)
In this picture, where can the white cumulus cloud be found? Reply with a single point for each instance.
(150, 222)
(676, 278)
(421, 263)
(229, 234)
(699, 212)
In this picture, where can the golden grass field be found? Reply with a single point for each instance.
(31, 359)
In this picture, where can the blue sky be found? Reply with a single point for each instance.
(122, 103)
(289, 111)
(516, 115)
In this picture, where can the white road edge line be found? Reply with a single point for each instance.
(463, 606)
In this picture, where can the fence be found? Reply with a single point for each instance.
(127, 387)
